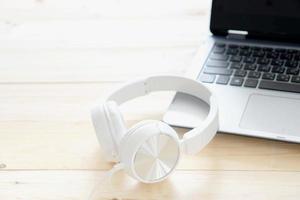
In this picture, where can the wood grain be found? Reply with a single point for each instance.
(53, 121)
(60, 57)
(53, 185)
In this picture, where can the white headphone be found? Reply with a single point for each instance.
(150, 150)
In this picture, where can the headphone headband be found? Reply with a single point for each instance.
(194, 140)
(150, 84)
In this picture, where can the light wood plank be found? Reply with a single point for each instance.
(52, 121)
(54, 185)
(91, 65)
(60, 57)
(70, 150)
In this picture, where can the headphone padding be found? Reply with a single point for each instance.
(110, 128)
(116, 122)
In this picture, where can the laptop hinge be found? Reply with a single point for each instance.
(237, 34)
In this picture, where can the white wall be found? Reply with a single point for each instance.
(21, 10)
(86, 40)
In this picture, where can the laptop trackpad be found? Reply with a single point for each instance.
(272, 114)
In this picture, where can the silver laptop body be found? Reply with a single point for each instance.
(261, 106)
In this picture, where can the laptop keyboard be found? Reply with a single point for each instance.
(253, 67)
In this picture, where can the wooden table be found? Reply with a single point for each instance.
(54, 68)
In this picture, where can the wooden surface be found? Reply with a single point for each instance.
(60, 57)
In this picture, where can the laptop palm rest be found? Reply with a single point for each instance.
(187, 111)
(272, 114)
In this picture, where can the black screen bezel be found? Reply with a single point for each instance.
(267, 35)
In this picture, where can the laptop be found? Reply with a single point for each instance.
(251, 62)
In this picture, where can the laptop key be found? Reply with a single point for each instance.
(236, 66)
(296, 79)
(218, 57)
(263, 68)
(267, 49)
(250, 67)
(232, 51)
(283, 77)
(277, 62)
(268, 76)
(244, 47)
(251, 83)
(249, 60)
(254, 74)
(220, 45)
(263, 61)
(291, 51)
(278, 70)
(258, 54)
(273, 55)
(220, 64)
(219, 71)
(256, 48)
(297, 57)
(280, 86)
(292, 71)
(292, 64)
(240, 73)
(236, 81)
(233, 46)
(280, 50)
(219, 50)
(236, 59)
(223, 80)
(245, 52)
(206, 78)
(286, 56)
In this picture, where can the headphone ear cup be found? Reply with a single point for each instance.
(110, 127)
(117, 122)
(150, 151)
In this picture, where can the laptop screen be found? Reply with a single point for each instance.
(269, 19)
